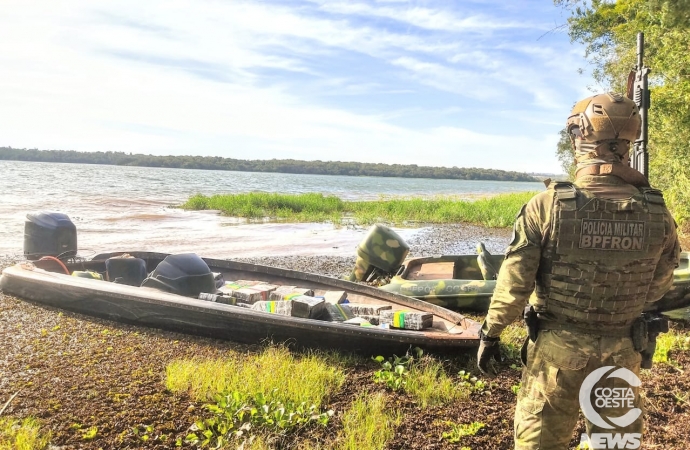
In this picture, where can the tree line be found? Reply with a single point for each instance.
(272, 165)
(608, 29)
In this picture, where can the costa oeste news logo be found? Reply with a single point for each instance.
(608, 398)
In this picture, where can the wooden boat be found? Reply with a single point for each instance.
(456, 282)
(45, 282)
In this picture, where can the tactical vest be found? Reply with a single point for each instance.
(600, 257)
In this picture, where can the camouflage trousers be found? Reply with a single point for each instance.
(557, 365)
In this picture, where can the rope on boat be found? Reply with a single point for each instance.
(52, 258)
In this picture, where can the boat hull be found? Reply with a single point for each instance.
(153, 308)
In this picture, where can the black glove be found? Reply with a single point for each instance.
(488, 348)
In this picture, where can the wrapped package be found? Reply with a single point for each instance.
(289, 292)
(281, 291)
(218, 298)
(307, 307)
(254, 293)
(249, 295)
(359, 309)
(407, 320)
(227, 300)
(229, 287)
(335, 297)
(336, 313)
(265, 287)
(274, 307)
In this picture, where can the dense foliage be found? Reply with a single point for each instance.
(272, 165)
(609, 29)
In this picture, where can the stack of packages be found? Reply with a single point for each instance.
(284, 300)
(333, 306)
(407, 320)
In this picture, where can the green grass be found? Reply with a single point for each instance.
(458, 431)
(667, 342)
(275, 373)
(368, 424)
(512, 339)
(429, 384)
(496, 211)
(23, 434)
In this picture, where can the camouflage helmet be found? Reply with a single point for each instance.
(605, 117)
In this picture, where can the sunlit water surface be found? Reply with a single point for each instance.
(132, 208)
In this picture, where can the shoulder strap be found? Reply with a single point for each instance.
(566, 194)
(652, 195)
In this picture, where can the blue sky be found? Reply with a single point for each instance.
(466, 83)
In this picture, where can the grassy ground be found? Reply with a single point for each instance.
(496, 211)
(78, 382)
(88, 383)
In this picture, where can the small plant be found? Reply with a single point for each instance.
(668, 342)
(458, 431)
(235, 414)
(90, 433)
(473, 384)
(680, 399)
(145, 433)
(395, 370)
(516, 388)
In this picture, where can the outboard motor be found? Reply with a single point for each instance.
(381, 252)
(49, 234)
(184, 274)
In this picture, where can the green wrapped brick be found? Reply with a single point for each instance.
(407, 320)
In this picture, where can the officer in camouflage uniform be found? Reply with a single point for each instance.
(587, 256)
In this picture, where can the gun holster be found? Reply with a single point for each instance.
(639, 334)
(653, 326)
(532, 322)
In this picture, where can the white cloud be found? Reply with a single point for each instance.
(428, 18)
(465, 82)
(256, 80)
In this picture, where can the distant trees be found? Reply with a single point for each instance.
(272, 165)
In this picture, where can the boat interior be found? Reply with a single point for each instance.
(451, 267)
(232, 271)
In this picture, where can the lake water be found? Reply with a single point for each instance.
(132, 208)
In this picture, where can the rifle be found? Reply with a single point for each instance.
(652, 322)
(638, 91)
